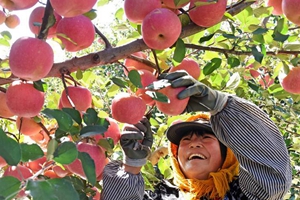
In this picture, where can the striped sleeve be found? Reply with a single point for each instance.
(265, 170)
(118, 184)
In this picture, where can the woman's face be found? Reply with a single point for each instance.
(198, 155)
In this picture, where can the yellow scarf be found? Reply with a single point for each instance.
(215, 187)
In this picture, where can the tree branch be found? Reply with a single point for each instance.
(235, 52)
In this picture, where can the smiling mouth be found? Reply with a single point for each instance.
(197, 156)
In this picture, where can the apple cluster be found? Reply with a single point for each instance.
(288, 8)
(31, 58)
(160, 24)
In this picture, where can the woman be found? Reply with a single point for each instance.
(238, 154)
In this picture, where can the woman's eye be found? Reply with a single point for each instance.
(185, 138)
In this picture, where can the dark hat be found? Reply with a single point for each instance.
(176, 131)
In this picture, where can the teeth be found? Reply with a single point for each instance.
(197, 155)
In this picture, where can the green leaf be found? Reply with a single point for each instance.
(79, 74)
(233, 62)
(119, 82)
(51, 147)
(102, 2)
(260, 31)
(277, 36)
(31, 152)
(92, 14)
(6, 34)
(107, 143)
(291, 47)
(295, 61)
(75, 114)
(184, 19)
(206, 38)
(52, 189)
(9, 187)
(91, 117)
(4, 42)
(214, 64)
(158, 96)
(135, 78)
(180, 50)
(63, 119)
(40, 85)
(91, 130)
(88, 166)
(65, 153)
(204, 3)
(180, 2)
(9, 149)
(258, 56)
(229, 36)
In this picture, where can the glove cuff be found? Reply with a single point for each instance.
(134, 162)
(221, 100)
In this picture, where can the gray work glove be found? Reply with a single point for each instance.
(202, 98)
(136, 141)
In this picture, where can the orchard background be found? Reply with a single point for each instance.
(54, 144)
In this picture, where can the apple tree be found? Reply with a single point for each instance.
(61, 120)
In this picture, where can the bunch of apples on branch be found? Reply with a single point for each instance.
(60, 151)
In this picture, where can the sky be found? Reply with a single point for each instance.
(104, 14)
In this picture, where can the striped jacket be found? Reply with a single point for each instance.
(265, 170)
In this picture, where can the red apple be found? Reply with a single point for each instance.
(60, 172)
(23, 99)
(4, 110)
(72, 8)
(35, 61)
(17, 4)
(207, 15)
(112, 131)
(27, 126)
(42, 138)
(2, 162)
(36, 16)
(171, 4)
(20, 172)
(133, 64)
(50, 174)
(2, 17)
(190, 66)
(75, 33)
(266, 81)
(290, 9)
(277, 6)
(175, 106)
(146, 79)
(96, 153)
(36, 165)
(80, 96)
(291, 82)
(136, 10)
(161, 28)
(12, 21)
(128, 108)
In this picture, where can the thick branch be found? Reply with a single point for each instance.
(236, 52)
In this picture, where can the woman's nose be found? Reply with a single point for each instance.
(196, 143)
